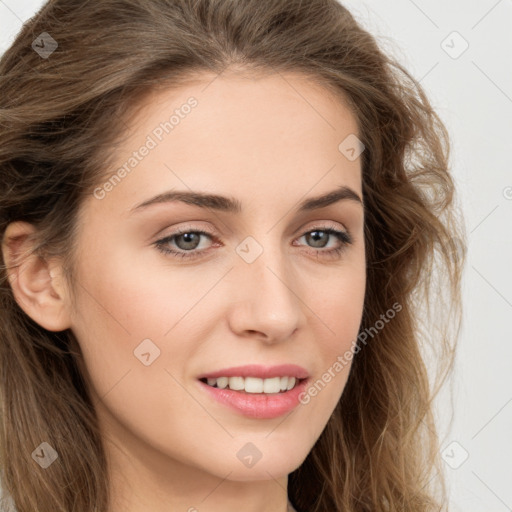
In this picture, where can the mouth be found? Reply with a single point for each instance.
(254, 385)
(253, 397)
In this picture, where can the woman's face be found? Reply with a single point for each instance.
(263, 286)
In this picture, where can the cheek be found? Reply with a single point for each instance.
(337, 314)
(132, 297)
(136, 319)
(124, 313)
(118, 307)
(341, 312)
(339, 305)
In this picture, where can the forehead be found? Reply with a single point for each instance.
(280, 132)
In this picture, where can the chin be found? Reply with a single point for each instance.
(270, 465)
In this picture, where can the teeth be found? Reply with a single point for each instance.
(253, 384)
(236, 383)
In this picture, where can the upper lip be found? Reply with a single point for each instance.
(259, 371)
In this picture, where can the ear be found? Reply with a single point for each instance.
(37, 285)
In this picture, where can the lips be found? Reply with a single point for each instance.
(259, 371)
(257, 405)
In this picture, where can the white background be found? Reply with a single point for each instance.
(473, 94)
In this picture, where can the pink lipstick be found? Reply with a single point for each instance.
(261, 392)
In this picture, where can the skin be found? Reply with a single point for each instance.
(269, 142)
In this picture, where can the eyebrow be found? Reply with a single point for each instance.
(232, 205)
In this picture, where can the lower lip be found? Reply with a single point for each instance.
(258, 405)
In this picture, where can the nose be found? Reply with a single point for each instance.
(265, 298)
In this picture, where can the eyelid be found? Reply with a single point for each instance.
(318, 225)
(323, 224)
(342, 234)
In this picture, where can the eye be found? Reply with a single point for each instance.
(319, 237)
(187, 241)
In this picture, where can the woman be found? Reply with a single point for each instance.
(176, 335)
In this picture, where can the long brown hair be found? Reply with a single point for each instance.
(61, 115)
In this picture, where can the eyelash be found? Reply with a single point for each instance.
(162, 246)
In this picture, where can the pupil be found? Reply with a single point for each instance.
(189, 239)
(318, 235)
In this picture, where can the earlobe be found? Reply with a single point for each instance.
(35, 283)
